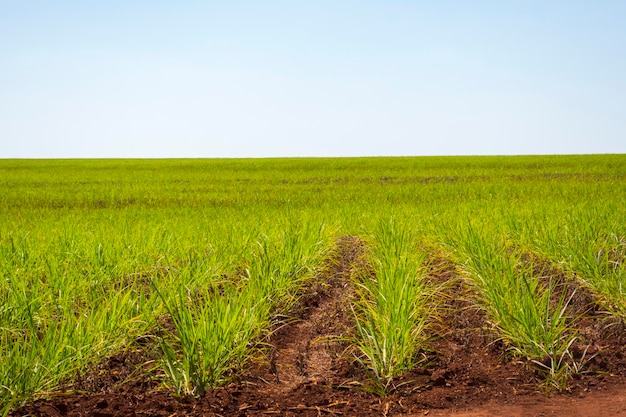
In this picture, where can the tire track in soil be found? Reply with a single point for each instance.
(309, 349)
(304, 351)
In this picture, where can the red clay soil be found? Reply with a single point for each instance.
(308, 371)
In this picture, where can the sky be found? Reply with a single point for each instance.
(164, 79)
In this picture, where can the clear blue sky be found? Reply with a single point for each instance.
(315, 78)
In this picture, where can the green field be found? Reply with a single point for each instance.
(96, 254)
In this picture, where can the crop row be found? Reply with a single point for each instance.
(65, 309)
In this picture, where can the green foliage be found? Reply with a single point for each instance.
(85, 243)
(590, 244)
(213, 328)
(215, 325)
(528, 312)
(394, 307)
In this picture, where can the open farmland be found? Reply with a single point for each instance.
(349, 286)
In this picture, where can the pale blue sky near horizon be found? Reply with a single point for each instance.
(271, 78)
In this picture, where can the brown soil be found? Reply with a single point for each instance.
(307, 371)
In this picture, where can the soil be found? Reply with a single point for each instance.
(308, 370)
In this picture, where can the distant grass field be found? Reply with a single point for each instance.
(96, 253)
